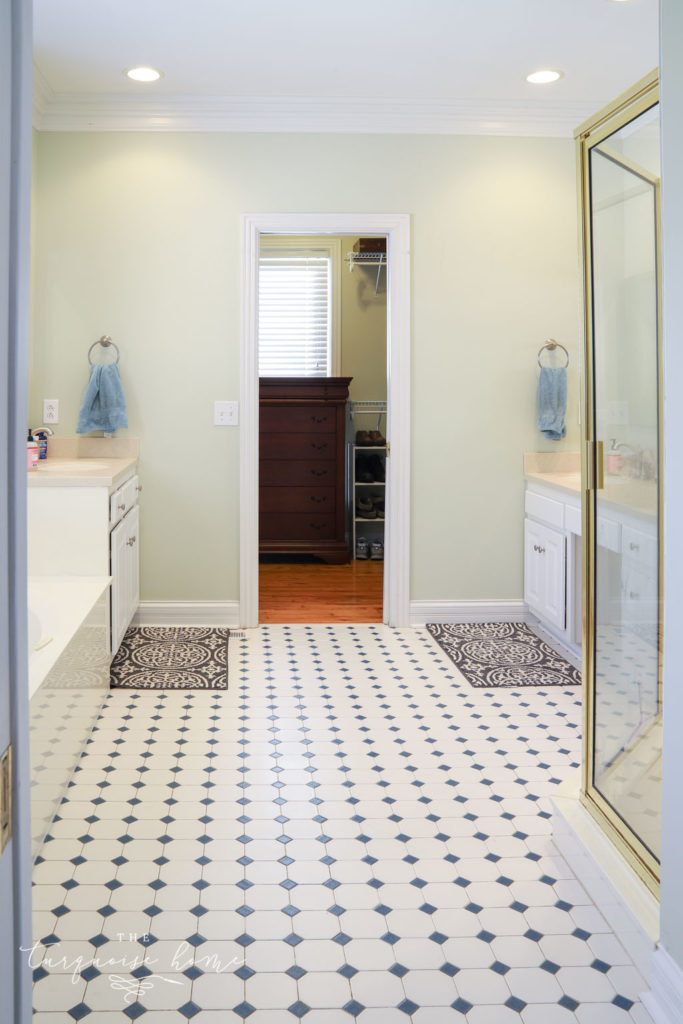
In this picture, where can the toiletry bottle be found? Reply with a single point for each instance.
(613, 458)
(31, 452)
(40, 434)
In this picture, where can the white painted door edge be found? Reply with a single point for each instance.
(664, 1001)
(397, 523)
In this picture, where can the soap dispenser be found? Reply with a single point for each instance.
(613, 457)
(31, 452)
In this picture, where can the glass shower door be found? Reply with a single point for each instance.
(624, 625)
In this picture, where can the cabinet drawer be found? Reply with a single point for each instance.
(639, 546)
(298, 473)
(296, 499)
(123, 499)
(298, 446)
(296, 526)
(309, 419)
(540, 507)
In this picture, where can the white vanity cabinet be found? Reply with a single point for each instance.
(85, 522)
(552, 560)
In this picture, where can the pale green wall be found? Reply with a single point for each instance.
(138, 236)
(363, 326)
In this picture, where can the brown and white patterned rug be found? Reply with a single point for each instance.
(172, 658)
(507, 654)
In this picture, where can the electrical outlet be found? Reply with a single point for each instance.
(225, 414)
(50, 410)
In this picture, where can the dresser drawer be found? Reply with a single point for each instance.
(283, 526)
(309, 419)
(297, 499)
(298, 446)
(298, 473)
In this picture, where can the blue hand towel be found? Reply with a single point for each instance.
(552, 402)
(104, 405)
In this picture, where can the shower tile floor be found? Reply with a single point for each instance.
(350, 832)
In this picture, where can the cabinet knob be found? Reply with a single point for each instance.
(121, 508)
(138, 488)
(131, 541)
(634, 547)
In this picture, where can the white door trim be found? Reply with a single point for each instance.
(397, 523)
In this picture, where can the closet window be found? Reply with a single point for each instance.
(297, 314)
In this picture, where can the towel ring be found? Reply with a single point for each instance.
(105, 341)
(551, 345)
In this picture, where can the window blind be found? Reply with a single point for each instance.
(295, 316)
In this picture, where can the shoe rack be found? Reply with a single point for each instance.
(367, 496)
(367, 452)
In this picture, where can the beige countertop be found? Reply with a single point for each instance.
(570, 483)
(620, 492)
(81, 472)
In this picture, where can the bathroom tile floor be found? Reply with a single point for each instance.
(349, 832)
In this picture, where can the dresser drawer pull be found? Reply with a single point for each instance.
(319, 419)
(319, 447)
(319, 472)
(318, 501)
(317, 526)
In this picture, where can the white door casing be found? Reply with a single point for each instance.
(396, 227)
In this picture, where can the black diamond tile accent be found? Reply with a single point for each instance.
(353, 1007)
(299, 1009)
(408, 1007)
(82, 1010)
(568, 1003)
(515, 1004)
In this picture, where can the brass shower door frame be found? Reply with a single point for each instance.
(628, 106)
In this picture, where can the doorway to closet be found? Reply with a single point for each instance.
(308, 557)
(322, 360)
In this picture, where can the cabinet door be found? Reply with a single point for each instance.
(125, 573)
(534, 579)
(120, 584)
(545, 572)
(554, 555)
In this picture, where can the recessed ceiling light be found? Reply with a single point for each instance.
(144, 74)
(543, 77)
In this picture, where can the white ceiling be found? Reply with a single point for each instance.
(344, 65)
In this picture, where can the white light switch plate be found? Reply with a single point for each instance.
(225, 414)
(50, 410)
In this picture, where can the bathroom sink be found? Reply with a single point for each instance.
(71, 466)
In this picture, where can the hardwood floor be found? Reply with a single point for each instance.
(321, 593)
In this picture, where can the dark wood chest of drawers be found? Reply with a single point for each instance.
(301, 466)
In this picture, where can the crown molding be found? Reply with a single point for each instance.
(60, 112)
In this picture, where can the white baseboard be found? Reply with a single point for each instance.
(422, 612)
(187, 613)
(664, 1001)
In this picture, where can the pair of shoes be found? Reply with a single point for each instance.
(370, 469)
(377, 551)
(363, 469)
(378, 504)
(365, 508)
(362, 548)
(371, 438)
